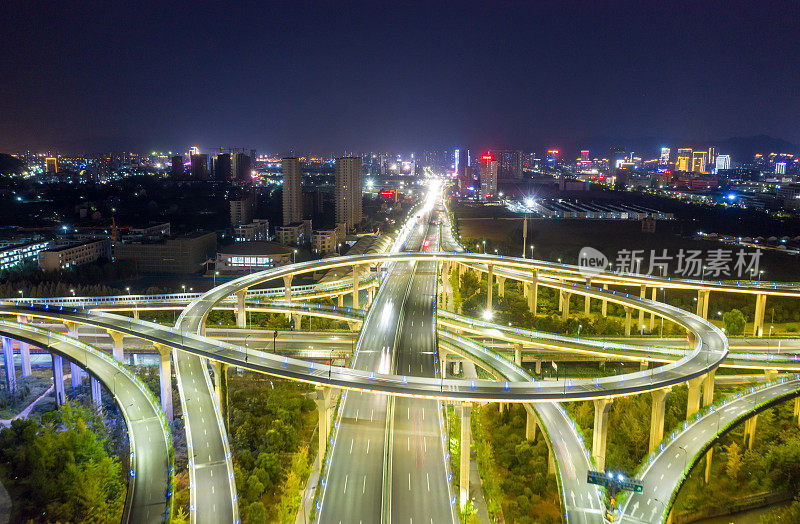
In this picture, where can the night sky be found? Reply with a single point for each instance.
(332, 76)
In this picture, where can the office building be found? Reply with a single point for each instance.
(509, 163)
(256, 230)
(684, 160)
(348, 191)
(242, 167)
(292, 191)
(712, 155)
(223, 169)
(722, 162)
(177, 167)
(324, 242)
(780, 168)
(199, 167)
(13, 255)
(74, 255)
(176, 255)
(51, 164)
(294, 234)
(664, 158)
(699, 160)
(488, 177)
(242, 211)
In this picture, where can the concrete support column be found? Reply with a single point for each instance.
(239, 309)
(628, 312)
(709, 454)
(565, 296)
(97, 397)
(340, 300)
(601, 408)
(322, 397)
(604, 308)
(551, 461)
(533, 293)
(355, 287)
(797, 410)
(24, 350)
(653, 315)
(76, 375)
(463, 483)
(518, 354)
(116, 345)
(702, 302)
(530, 426)
(287, 287)
(538, 366)
(643, 365)
(758, 320)
(370, 294)
(708, 388)
(657, 417)
(693, 402)
(58, 379)
(750, 431)
(642, 294)
(443, 365)
(8, 360)
(501, 286)
(165, 379)
(587, 305)
(221, 388)
(489, 287)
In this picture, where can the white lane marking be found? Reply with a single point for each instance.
(364, 486)
(428, 480)
(367, 447)
(345, 484)
(351, 446)
(409, 482)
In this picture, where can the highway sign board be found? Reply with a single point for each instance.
(609, 480)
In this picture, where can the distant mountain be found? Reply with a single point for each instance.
(10, 165)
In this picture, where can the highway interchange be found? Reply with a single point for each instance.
(396, 353)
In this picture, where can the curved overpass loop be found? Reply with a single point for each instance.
(149, 482)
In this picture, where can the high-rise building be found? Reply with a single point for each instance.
(292, 191)
(177, 167)
(242, 169)
(684, 160)
(586, 162)
(780, 168)
(699, 160)
(712, 155)
(51, 164)
(489, 168)
(348, 191)
(199, 167)
(664, 159)
(509, 163)
(722, 162)
(222, 167)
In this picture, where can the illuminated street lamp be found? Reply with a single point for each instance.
(487, 314)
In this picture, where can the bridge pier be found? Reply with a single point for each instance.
(221, 388)
(165, 379)
(642, 294)
(97, 397)
(797, 410)
(538, 366)
(628, 314)
(340, 299)
(652, 314)
(604, 308)
(58, 379)
(463, 482)
(370, 294)
(758, 320)
(355, 287)
(750, 431)
(518, 354)
(239, 309)
(709, 454)
(116, 344)
(8, 360)
(708, 387)
(587, 305)
(24, 350)
(501, 286)
(530, 426)
(657, 416)
(76, 373)
(702, 303)
(565, 296)
(693, 402)
(490, 287)
(322, 397)
(601, 408)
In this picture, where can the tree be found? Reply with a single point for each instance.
(734, 461)
(256, 513)
(734, 322)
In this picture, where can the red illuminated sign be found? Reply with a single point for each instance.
(487, 157)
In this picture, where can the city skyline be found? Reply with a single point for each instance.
(365, 76)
